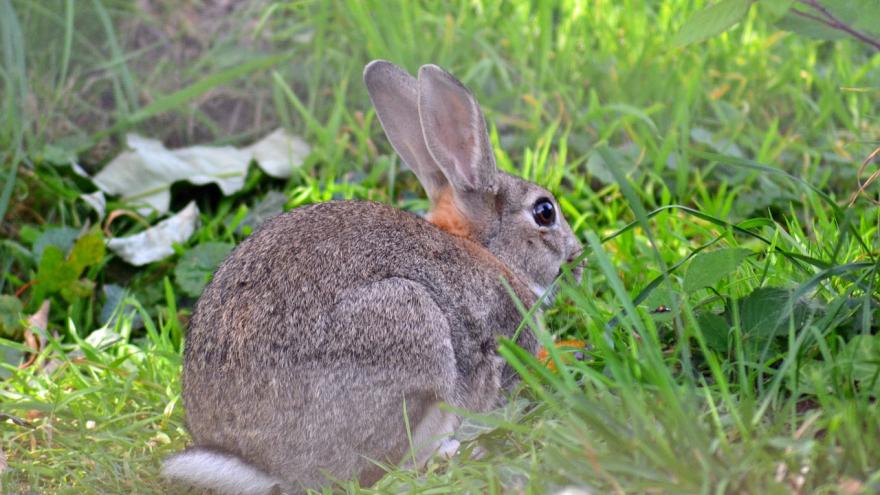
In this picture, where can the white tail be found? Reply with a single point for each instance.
(220, 472)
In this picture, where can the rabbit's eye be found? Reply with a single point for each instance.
(544, 212)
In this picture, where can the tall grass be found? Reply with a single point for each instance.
(766, 381)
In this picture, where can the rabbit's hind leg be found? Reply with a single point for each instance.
(399, 359)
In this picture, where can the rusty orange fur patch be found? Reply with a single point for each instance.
(446, 216)
(567, 347)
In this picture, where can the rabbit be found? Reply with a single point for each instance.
(327, 326)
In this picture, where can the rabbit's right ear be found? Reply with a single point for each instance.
(395, 95)
(455, 133)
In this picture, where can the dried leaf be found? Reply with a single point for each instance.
(155, 243)
(34, 333)
(97, 201)
(279, 153)
(144, 174)
(103, 338)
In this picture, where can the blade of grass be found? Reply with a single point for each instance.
(128, 101)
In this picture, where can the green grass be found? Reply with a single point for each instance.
(764, 382)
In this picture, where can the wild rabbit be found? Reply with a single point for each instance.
(332, 320)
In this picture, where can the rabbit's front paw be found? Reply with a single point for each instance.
(448, 448)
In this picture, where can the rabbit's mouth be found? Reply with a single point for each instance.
(576, 267)
(576, 271)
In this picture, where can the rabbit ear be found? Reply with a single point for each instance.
(395, 95)
(455, 132)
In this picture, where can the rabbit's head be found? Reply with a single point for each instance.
(436, 126)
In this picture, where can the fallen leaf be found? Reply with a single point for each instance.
(34, 333)
(103, 338)
(143, 175)
(97, 201)
(155, 243)
(851, 486)
(279, 153)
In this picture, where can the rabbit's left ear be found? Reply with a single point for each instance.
(395, 95)
(455, 132)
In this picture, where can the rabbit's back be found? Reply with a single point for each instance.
(275, 291)
(300, 346)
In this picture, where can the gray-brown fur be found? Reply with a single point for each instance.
(320, 326)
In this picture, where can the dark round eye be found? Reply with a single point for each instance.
(544, 212)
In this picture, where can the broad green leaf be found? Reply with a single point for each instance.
(53, 273)
(77, 289)
(808, 27)
(198, 264)
(862, 15)
(10, 315)
(271, 204)
(844, 10)
(60, 237)
(767, 310)
(707, 269)
(715, 329)
(710, 21)
(88, 251)
(863, 354)
(29, 234)
(776, 8)
(869, 17)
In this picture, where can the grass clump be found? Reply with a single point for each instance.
(730, 303)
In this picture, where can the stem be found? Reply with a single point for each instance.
(826, 18)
